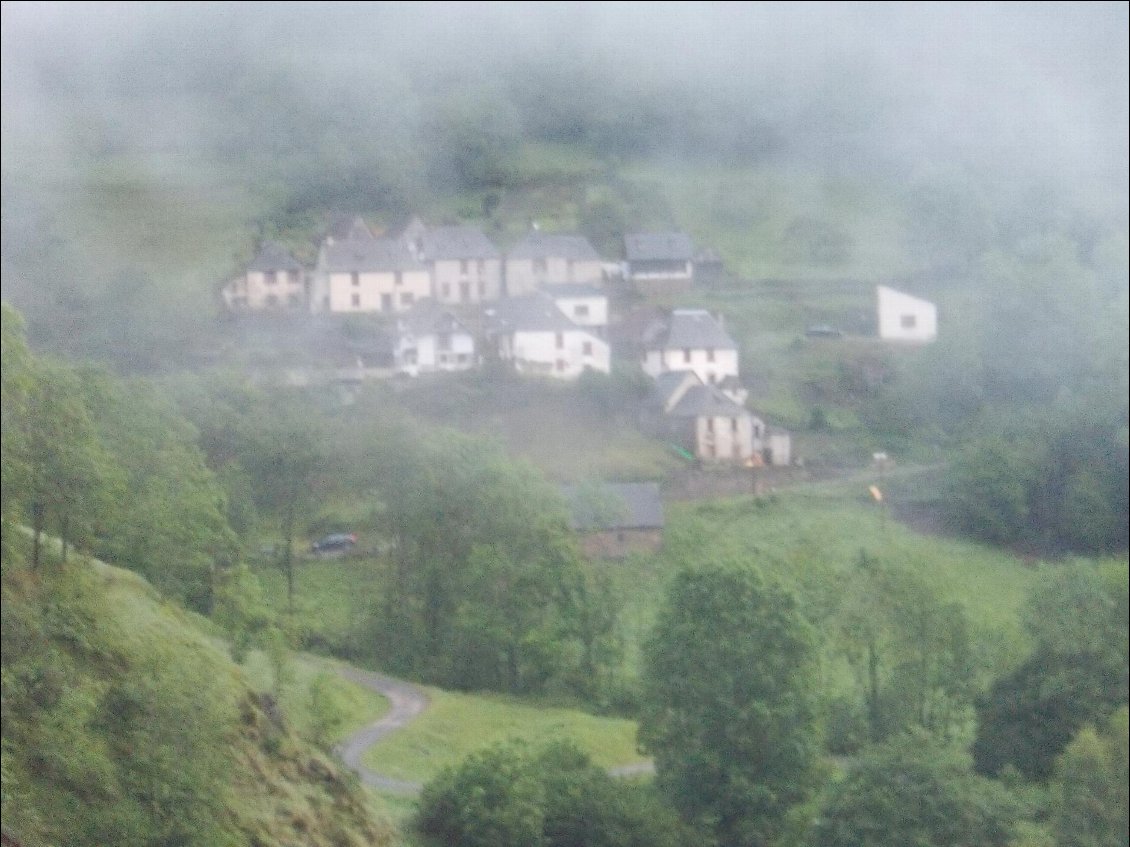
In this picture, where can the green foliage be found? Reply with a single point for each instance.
(506, 795)
(913, 790)
(728, 702)
(910, 652)
(1077, 674)
(485, 586)
(1091, 807)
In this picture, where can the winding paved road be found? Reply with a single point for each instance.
(407, 703)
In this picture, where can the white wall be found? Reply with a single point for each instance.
(589, 312)
(482, 278)
(724, 364)
(370, 290)
(564, 355)
(724, 439)
(906, 318)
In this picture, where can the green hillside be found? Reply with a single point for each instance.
(125, 722)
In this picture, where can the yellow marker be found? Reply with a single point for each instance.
(876, 494)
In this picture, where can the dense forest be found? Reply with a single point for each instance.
(800, 666)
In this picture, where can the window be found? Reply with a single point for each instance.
(407, 298)
(735, 427)
(908, 321)
(355, 301)
(292, 277)
(355, 279)
(560, 365)
(710, 425)
(539, 266)
(586, 348)
(710, 354)
(443, 341)
(569, 269)
(560, 340)
(272, 300)
(580, 311)
(464, 292)
(686, 354)
(386, 302)
(398, 278)
(445, 290)
(464, 266)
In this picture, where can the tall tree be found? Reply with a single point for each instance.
(728, 709)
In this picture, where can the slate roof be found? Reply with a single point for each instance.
(658, 247)
(668, 382)
(349, 228)
(694, 329)
(706, 401)
(273, 256)
(544, 245)
(376, 254)
(529, 313)
(568, 290)
(457, 242)
(427, 317)
(615, 505)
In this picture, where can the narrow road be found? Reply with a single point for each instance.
(407, 702)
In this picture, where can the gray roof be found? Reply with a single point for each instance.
(615, 505)
(658, 246)
(544, 245)
(427, 317)
(272, 256)
(572, 289)
(706, 401)
(377, 254)
(668, 382)
(530, 313)
(694, 329)
(349, 228)
(457, 242)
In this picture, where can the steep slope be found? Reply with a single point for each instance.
(125, 722)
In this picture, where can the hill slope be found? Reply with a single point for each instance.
(125, 722)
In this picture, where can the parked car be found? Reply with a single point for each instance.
(337, 542)
(823, 331)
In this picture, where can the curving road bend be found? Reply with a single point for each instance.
(406, 703)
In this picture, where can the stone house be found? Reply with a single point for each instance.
(273, 280)
(543, 258)
(614, 519)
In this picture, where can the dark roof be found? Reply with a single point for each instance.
(572, 289)
(377, 254)
(530, 313)
(688, 328)
(658, 246)
(543, 245)
(457, 242)
(706, 401)
(615, 505)
(668, 382)
(272, 256)
(730, 382)
(345, 227)
(427, 317)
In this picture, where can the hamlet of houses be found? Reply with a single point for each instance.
(454, 299)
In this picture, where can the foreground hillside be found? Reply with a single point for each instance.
(125, 722)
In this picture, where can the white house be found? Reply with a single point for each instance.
(691, 340)
(903, 317)
(273, 280)
(465, 266)
(710, 425)
(584, 305)
(430, 339)
(533, 335)
(367, 275)
(545, 258)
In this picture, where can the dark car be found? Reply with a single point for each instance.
(823, 331)
(337, 542)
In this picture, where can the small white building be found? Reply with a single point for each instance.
(273, 280)
(430, 339)
(533, 335)
(903, 317)
(691, 340)
(546, 258)
(584, 305)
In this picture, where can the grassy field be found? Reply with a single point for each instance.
(457, 724)
(358, 705)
